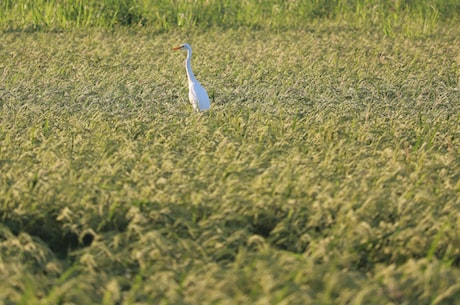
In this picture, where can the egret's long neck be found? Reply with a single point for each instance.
(188, 66)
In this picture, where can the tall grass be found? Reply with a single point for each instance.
(273, 14)
(326, 172)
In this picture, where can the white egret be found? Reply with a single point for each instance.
(196, 93)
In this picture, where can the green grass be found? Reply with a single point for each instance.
(326, 172)
(414, 16)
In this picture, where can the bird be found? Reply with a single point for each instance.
(196, 93)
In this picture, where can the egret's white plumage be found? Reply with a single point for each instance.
(196, 93)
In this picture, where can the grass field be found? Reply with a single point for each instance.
(326, 172)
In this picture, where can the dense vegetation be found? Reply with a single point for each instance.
(161, 15)
(326, 172)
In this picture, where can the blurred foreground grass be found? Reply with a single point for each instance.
(326, 172)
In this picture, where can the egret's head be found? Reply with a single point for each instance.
(184, 46)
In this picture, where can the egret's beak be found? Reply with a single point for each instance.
(177, 48)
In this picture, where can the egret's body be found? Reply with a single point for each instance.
(196, 93)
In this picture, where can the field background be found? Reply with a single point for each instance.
(326, 172)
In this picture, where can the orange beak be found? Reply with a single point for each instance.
(177, 48)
